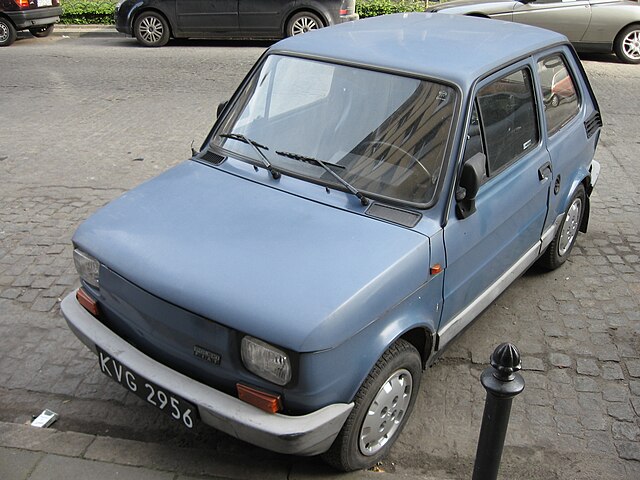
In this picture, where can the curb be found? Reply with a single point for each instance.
(85, 30)
(30, 453)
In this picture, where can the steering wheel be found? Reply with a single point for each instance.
(404, 152)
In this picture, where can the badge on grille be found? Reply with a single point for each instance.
(206, 355)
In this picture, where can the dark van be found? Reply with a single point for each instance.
(154, 22)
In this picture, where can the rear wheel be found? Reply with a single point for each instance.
(627, 44)
(303, 22)
(41, 32)
(562, 244)
(151, 29)
(7, 32)
(382, 406)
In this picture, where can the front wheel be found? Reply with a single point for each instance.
(8, 32)
(562, 244)
(627, 44)
(303, 22)
(151, 29)
(41, 32)
(382, 406)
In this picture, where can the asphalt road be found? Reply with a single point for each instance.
(83, 119)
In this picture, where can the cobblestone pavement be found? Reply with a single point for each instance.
(86, 119)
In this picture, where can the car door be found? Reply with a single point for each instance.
(569, 17)
(207, 17)
(493, 245)
(263, 15)
(565, 112)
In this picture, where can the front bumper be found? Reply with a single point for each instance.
(349, 18)
(35, 17)
(309, 434)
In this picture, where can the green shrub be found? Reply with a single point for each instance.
(373, 8)
(84, 12)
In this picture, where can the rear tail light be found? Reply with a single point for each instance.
(347, 7)
(22, 3)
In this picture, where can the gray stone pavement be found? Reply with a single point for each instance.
(133, 113)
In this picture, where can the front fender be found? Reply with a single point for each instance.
(338, 373)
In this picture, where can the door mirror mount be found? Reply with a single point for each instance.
(471, 179)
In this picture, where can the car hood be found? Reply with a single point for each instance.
(294, 272)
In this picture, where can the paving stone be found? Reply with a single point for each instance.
(560, 360)
(17, 464)
(587, 366)
(629, 450)
(612, 371)
(621, 411)
(633, 367)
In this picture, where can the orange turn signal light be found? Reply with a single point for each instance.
(264, 401)
(435, 269)
(87, 302)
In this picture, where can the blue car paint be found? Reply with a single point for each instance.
(221, 259)
(304, 267)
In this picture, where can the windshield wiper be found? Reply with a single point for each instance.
(363, 200)
(257, 147)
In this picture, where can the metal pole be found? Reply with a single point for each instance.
(502, 383)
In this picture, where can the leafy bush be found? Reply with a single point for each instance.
(372, 8)
(84, 12)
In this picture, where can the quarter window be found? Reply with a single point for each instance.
(559, 93)
(508, 116)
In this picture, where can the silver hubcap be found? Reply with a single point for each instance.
(570, 227)
(631, 45)
(151, 29)
(304, 24)
(4, 32)
(386, 412)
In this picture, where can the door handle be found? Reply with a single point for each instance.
(545, 171)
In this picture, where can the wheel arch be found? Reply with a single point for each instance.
(623, 28)
(301, 9)
(144, 9)
(7, 17)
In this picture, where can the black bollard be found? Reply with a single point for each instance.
(502, 383)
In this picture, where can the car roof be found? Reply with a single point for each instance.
(455, 48)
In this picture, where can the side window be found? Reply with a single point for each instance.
(508, 117)
(561, 102)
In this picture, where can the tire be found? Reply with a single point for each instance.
(303, 22)
(358, 445)
(555, 100)
(627, 44)
(558, 251)
(41, 32)
(8, 32)
(151, 29)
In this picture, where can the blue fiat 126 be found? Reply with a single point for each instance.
(368, 190)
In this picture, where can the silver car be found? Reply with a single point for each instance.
(591, 25)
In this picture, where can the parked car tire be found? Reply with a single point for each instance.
(627, 44)
(151, 29)
(41, 32)
(562, 244)
(7, 32)
(382, 406)
(302, 22)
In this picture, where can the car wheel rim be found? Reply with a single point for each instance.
(631, 45)
(304, 24)
(4, 33)
(151, 29)
(384, 415)
(570, 227)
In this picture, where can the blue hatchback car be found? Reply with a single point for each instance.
(368, 190)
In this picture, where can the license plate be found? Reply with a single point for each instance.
(173, 405)
(44, 3)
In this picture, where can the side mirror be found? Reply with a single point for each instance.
(221, 107)
(472, 177)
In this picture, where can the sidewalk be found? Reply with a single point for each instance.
(47, 454)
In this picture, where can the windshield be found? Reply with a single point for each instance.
(385, 133)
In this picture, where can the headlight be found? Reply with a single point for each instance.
(266, 361)
(87, 267)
